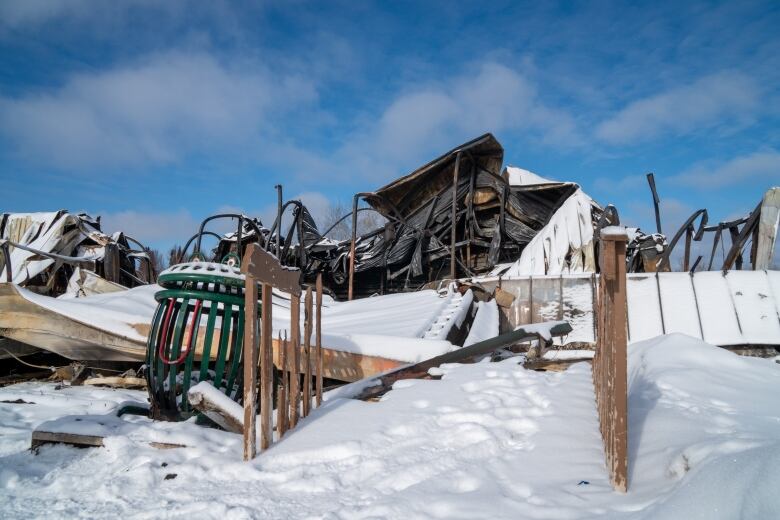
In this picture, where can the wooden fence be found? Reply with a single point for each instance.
(293, 399)
(610, 362)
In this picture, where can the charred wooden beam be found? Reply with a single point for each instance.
(454, 215)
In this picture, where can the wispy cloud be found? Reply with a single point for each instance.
(26, 13)
(15, 13)
(151, 227)
(717, 100)
(437, 116)
(757, 167)
(152, 112)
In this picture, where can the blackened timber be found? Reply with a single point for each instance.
(656, 201)
(454, 216)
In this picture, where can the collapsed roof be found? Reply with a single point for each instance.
(497, 215)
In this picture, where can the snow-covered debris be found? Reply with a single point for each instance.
(407, 327)
(564, 245)
(451, 316)
(117, 312)
(216, 406)
(51, 232)
(485, 324)
(41, 244)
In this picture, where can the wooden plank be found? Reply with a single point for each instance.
(344, 366)
(78, 440)
(307, 352)
(318, 339)
(116, 382)
(554, 365)
(250, 368)
(295, 346)
(214, 411)
(266, 367)
(166, 445)
(73, 439)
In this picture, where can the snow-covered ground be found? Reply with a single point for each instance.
(488, 440)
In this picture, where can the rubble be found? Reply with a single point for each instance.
(61, 253)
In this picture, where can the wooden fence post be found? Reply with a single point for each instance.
(267, 367)
(281, 390)
(250, 367)
(295, 358)
(307, 352)
(318, 339)
(610, 362)
(260, 266)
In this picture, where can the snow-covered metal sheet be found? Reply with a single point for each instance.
(755, 305)
(645, 319)
(679, 304)
(579, 307)
(731, 309)
(716, 309)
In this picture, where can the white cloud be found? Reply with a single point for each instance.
(25, 13)
(494, 98)
(150, 227)
(755, 167)
(155, 111)
(19, 12)
(719, 99)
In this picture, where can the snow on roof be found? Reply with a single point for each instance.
(519, 177)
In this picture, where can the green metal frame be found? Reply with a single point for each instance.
(214, 297)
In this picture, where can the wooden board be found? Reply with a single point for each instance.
(41, 437)
(344, 366)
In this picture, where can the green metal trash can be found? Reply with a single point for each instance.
(180, 351)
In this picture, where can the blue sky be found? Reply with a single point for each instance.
(156, 114)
